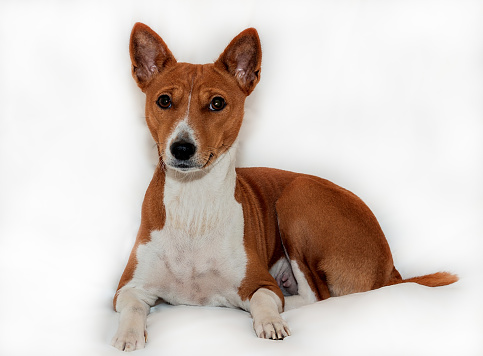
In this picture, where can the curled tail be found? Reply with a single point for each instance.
(437, 279)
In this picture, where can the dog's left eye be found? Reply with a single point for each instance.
(217, 103)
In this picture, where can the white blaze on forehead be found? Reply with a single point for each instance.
(189, 103)
(183, 131)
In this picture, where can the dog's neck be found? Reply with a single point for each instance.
(196, 201)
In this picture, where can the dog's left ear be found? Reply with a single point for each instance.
(242, 58)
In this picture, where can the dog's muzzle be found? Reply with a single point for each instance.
(183, 152)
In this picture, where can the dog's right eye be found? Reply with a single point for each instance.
(164, 101)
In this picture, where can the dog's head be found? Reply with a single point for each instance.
(194, 112)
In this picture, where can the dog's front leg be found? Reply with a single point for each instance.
(131, 334)
(265, 307)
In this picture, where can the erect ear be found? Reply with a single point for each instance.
(242, 58)
(149, 54)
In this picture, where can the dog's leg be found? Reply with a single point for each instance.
(131, 334)
(332, 239)
(305, 294)
(265, 307)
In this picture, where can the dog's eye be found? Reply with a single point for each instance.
(217, 103)
(164, 101)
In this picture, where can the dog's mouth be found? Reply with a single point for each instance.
(184, 166)
(208, 161)
(192, 165)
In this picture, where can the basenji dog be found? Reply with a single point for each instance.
(211, 234)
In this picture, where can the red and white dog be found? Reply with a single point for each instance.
(253, 238)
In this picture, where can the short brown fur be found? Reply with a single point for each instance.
(328, 230)
(330, 234)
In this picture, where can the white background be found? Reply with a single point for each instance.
(381, 97)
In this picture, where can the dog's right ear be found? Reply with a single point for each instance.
(149, 54)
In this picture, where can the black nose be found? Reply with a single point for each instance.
(183, 150)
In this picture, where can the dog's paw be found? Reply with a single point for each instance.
(130, 339)
(274, 328)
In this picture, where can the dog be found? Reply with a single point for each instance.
(211, 234)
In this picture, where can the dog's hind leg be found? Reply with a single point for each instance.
(287, 274)
(333, 240)
(305, 294)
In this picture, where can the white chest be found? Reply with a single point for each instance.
(204, 270)
(198, 258)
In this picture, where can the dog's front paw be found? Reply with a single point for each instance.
(274, 328)
(130, 339)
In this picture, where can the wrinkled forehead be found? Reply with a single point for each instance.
(194, 78)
